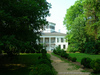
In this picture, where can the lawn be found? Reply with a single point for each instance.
(79, 56)
(20, 65)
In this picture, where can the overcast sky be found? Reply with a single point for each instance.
(58, 12)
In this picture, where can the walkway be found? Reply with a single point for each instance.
(64, 68)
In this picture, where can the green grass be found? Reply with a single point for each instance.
(20, 65)
(79, 56)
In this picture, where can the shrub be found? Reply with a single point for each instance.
(41, 69)
(64, 54)
(92, 47)
(54, 51)
(95, 65)
(86, 62)
(73, 59)
(69, 58)
(43, 51)
(58, 50)
(45, 61)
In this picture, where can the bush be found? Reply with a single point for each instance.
(45, 61)
(69, 58)
(64, 54)
(86, 62)
(41, 69)
(54, 51)
(43, 51)
(95, 65)
(44, 56)
(92, 47)
(58, 50)
(73, 59)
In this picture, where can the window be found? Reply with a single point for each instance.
(46, 40)
(62, 40)
(57, 39)
(59, 46)
(52, 40)
(64, 46)
(52, 27)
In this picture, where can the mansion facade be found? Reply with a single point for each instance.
(51, 39)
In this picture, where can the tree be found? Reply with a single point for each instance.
(75, 23)
(92, 12)
(22, 19)
(82, 22)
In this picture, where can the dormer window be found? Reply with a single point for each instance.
(52, 27)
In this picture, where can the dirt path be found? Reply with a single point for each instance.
(64, 68)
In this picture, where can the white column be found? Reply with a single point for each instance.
(43, 41)
(50, 43)
(55, 41)
(59, 39)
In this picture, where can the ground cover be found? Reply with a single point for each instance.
(79, 56)
(18, 65)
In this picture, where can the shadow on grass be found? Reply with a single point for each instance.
(17, 65)
(13, 70)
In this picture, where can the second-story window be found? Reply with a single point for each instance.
(62, 40)
(64, 46)
(52, 27)
(57, 39)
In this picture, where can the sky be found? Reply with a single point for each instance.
(58, 11)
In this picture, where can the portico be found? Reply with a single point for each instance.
(53, 41)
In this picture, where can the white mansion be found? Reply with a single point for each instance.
(51, 39)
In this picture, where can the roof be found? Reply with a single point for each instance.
(52, 23)
(53, 34)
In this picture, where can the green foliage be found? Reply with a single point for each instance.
(86, 62)
(43, 66)
(69, 58)
(82, 22)
(41, 69)
(60, 52)
(73, 59)
(95, 65)
(54, 51)
(92, 47)
(43, 51)
(38, 48)
(75, 23)
(45, 61)
(64, 54)
(20, 21)
(58, 49)
(92, 12)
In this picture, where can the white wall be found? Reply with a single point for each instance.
(56, 43)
